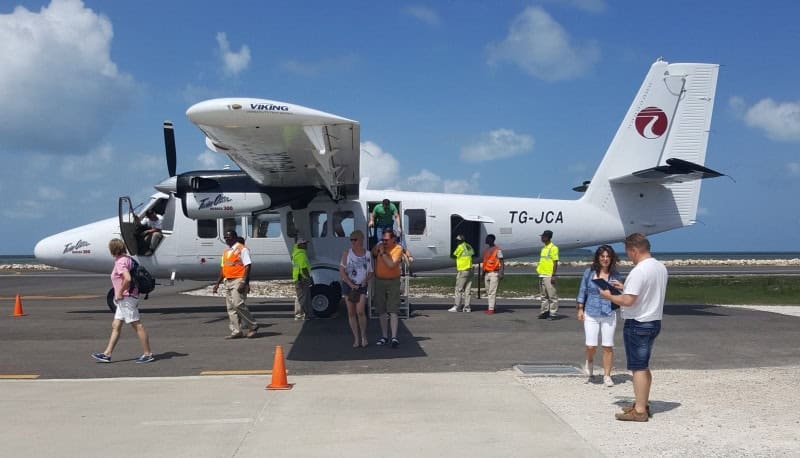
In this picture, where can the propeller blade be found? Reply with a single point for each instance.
(169, 146)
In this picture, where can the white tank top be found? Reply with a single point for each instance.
(358, 266)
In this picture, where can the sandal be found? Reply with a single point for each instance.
(382, 341)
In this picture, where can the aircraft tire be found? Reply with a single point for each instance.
(110, 300)
(325, 299)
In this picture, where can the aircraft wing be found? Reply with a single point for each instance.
(281, 144)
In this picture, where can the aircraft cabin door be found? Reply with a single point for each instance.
(472, 228)
(127, 225)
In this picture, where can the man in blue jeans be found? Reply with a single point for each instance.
(642, 302)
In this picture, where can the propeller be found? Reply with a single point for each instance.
(169, 146)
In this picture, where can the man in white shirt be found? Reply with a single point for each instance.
(152, 233)
(642, 302)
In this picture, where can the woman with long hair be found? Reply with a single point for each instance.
(599, 315)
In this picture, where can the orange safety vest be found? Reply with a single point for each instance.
(232, 266)
(491, 263)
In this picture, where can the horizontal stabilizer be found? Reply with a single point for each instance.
(676, 171)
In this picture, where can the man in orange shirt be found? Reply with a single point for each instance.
(387, 255)
(493, 269)
(235, 273)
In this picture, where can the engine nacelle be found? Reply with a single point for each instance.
(212, 205)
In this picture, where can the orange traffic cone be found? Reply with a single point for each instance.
(18, 307)
(279, 381)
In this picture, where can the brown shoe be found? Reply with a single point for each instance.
(632, 406)
(632, 415)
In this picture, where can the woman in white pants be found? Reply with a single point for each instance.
(599, 316)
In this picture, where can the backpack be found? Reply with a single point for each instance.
(141, 279)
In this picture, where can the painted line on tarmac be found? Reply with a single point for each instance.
(211, 421)
(41, 298)
(241, 372)
(19, 376)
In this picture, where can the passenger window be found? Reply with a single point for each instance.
(207, 228)
(415, 221)
(264, 225)
(343, 223)
(319, 226)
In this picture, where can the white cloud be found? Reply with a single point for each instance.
(424, 181)
(423, 14)
(91, 166)
(779, 121)
(323, 66)
(49, 193)
(497, 144)
(148, 163)
(463, 186)
(594, 6)
(209, 160)
(541, 47)
(61, 90)
(794, 168)
(380, 166)
(234, 62)
(383, 171)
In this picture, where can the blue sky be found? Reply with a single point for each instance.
(503, 98)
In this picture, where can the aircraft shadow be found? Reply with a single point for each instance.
(331, 340)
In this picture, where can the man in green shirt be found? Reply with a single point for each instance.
(463, 254)
(384, 216)
(548, 265)
(301, 275)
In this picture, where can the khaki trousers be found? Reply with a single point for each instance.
(492, 280)
(302, 299)
(549, 295)
(463, 287)
(239, 316)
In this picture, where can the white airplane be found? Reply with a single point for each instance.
(300, 177)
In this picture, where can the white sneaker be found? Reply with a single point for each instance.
(608, 382)
(467, 310)
(453, 309)
(588, 368)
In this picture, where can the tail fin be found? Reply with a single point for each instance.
(650, 174)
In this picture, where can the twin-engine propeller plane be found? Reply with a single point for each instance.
(300, 177)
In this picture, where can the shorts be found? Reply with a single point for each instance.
(605, 325)
(639, 337)
(127, 309)
(387, 295)
(346, 289)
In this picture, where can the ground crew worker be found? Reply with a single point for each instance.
(463, 254)
(548, 265)
(301, 275)
(493, 268)
(235, 273)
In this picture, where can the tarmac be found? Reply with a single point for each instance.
(723, 386)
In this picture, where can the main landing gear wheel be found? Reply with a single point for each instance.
(325, 300)
(110, 300)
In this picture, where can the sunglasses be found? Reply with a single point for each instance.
(387, 240)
